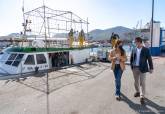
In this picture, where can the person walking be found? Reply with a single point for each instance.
(140, 60)
(118, 58)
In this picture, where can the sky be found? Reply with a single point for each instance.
(102, 14)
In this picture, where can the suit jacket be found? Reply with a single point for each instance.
(145, 60)
(122, 59)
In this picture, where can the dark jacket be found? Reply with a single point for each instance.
(145, 60)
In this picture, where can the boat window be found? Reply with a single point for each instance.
(18, 60)
(41, 59)
(30, 60)
(10, 59)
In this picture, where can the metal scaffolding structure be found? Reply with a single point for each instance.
(46, 22)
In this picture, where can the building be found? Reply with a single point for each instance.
(158, 40)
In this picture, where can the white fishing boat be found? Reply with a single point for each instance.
(44, 22)
(17, 61)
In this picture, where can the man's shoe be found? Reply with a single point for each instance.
(137, 94)
(142, 101)
(118, 98)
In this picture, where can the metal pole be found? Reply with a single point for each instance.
(66, 25)
(71, 20)
(48, 31)
(45, 27)
(152, 21)
(87, 29)
(24, 23)
(43, 2)
(47, 76)
(21, 68)
(81, 24)
(46, 47)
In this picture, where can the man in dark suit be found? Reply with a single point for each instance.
(139, 61)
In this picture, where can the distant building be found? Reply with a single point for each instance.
(5, 41)
(158, 40)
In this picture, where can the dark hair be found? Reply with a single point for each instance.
(120, 47)
(117, 43)
(138, 39)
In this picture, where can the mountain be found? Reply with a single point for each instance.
(10, 36)
(14, 35)
(61, 35)
(98, 34)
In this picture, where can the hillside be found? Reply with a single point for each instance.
(96, 34)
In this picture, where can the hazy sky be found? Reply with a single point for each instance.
(102, 14)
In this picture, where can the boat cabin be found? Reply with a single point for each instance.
(16, 60)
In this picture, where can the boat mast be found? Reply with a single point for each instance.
(87, 29)
(45, 24)
(23, 24)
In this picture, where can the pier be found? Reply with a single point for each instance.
(83, 89)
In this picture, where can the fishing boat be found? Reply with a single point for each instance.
(18, 60)
(43, 22)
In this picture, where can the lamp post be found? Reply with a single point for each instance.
(152, 21)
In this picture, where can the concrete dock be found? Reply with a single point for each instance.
(84, 89)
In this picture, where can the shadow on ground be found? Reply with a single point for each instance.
(150, 107)
(83, 74)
